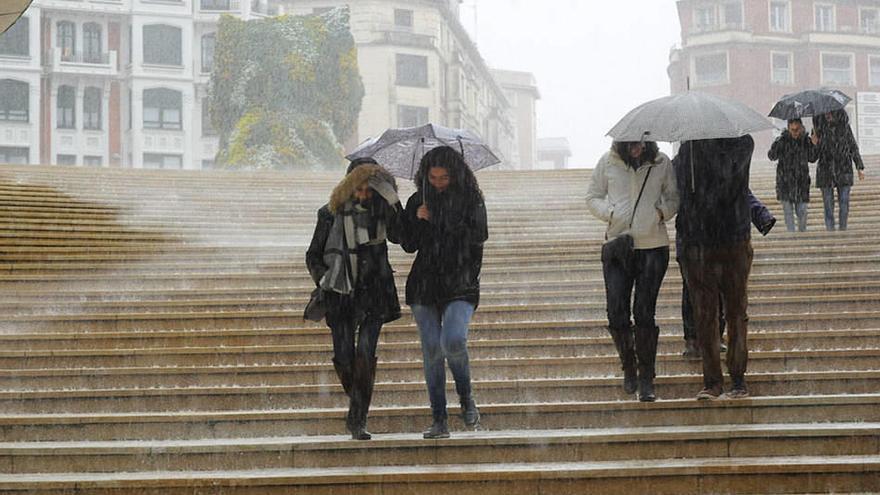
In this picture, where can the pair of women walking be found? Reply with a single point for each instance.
(444, 222)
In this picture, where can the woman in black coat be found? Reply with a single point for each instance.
(793, 150)
(447, 226)
(837, 152)
(348, 260)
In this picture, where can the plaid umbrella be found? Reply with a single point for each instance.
(808, 103)
(688, 116)
(400, 150)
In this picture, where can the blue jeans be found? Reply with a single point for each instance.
(444, 331)
(843, 206)
(800, 209)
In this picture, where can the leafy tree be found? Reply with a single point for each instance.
(285, 91)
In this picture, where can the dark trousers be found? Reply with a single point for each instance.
(724, 271)
(645, 275)
(354, 358)
(687, 310)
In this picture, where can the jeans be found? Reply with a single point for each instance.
(443, 332)
(800, 209)
(646, 274)
(843, 206)
(724, 271)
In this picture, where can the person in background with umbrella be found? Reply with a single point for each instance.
(348, 260)
(837, 152)
(714, 221)
(793, 150)
(633, 190)
(447, 226)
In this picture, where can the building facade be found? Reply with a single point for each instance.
(419, 65)
(759, 50)
(522, 93)
(112, 82)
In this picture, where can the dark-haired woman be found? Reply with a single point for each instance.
(633, 190)
(446, 226)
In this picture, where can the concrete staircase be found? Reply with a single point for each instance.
(151, 343)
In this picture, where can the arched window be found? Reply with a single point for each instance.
(14, 101)
(66, 39)
(162, 109)
(66, 107)
(92, 43)
(92, 108)
(162, 45)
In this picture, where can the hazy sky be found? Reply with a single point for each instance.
(594, 60)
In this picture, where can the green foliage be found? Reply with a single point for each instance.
(285, 91)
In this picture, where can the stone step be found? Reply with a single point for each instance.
(484, 447)
(253, 422)
(412, 393)
(684, 476)
(400, 371)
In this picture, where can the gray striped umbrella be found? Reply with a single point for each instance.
(689, 116)
(400, 150)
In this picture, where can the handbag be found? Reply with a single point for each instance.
(622, 249)
(316, 309)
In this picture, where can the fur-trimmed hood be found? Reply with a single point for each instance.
(347, 186)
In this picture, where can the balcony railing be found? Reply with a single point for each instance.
(219, 5)
(66, 61)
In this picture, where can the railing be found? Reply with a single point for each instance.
(219, 5)
(79, 61)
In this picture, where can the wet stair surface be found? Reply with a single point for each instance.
(152, 343)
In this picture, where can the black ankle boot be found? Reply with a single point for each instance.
(623, 342)
(646, 349)
(470, 414)
(439, 429)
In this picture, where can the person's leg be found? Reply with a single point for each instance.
(802, 216)
(342, 329)
(364, 376)
(428, 320)
(843, 206)
(691, 348)
(703, 277)
(453, 339)
(736, 300)
(828, 206)
(618, 290)
(652, 264)
(788, 212)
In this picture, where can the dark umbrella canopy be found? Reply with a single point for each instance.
(400, 150)
(808, 103)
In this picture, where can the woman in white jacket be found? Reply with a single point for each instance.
(633, 190)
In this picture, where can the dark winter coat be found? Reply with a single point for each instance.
(792, 170)
(838, 150)
(714, 205)
(450, 249)
(375, 294)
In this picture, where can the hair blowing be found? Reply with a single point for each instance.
(462, 179)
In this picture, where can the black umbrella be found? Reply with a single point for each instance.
(808, 103)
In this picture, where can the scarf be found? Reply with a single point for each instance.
(354, 226)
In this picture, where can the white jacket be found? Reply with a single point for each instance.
(614, 188)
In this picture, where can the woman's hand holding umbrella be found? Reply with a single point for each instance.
(423, 213)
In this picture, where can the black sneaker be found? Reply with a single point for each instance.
(470, 414)
(438, 430)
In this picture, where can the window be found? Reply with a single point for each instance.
(321, 10)
(155, 160)
(15, 41)
(207, 123)
(208, 165)
(825, 18)
(408, 116)
(14, 156)
(66, 160)
(869, 20)
(66, 107)
(162, 45)
(780, 16)
(92, 43)
(403, 18)
(837, 69)
(208, 43)
(215, 4)
(66, 41)
(14, 101)
(704, 18)
(874, 70)
(710, 69)
(412, 70)
(93, 161)
(782, 71)
(92, 108)
(733, 15)
(162, 109)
